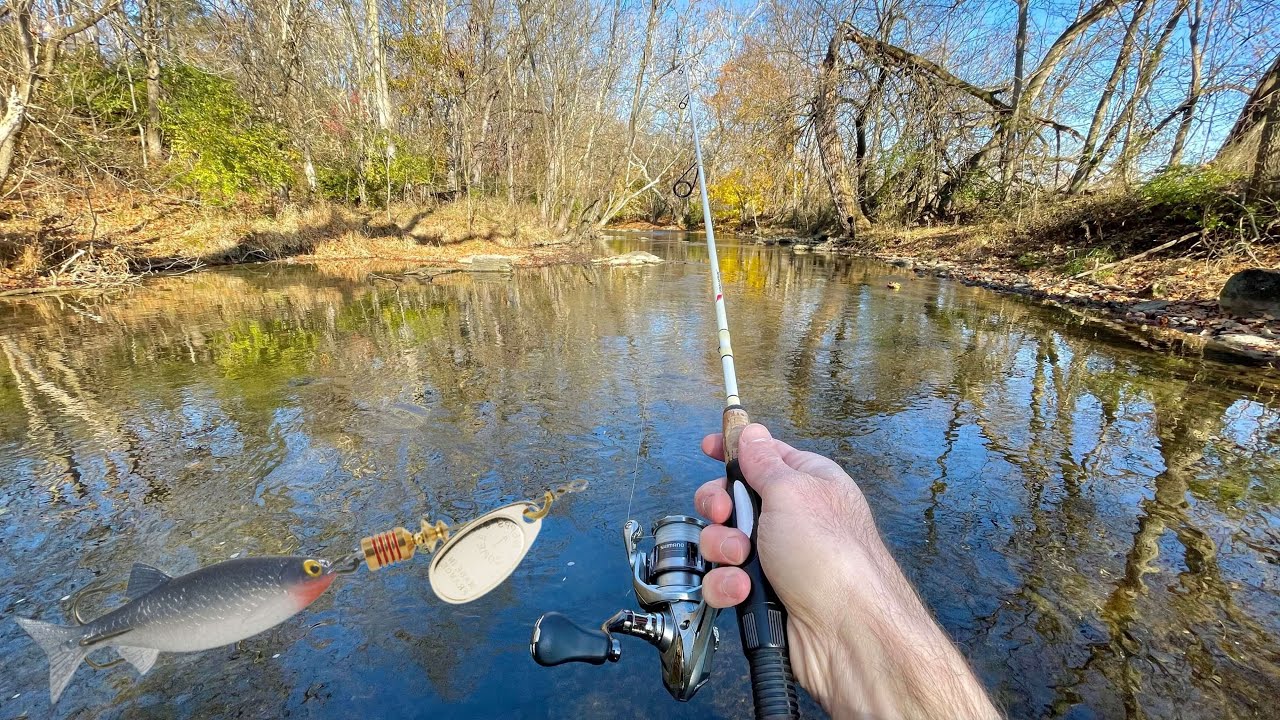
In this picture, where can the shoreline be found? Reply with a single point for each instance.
(1185, 325)
(568, 252)
(1198, 326)
(100, 247)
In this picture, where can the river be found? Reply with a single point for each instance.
(1095, 525)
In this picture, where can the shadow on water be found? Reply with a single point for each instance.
(1097, 527)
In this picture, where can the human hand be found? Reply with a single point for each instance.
(861, 642)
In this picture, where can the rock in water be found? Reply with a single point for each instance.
(639, 257)
(1251, 291)
(491, 263)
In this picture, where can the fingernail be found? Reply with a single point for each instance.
(729, 587)
(726, 587)
(737, 545)
(702, 505)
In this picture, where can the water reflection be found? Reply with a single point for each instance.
(1096, 526)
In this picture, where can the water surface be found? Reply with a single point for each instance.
(1095, 526)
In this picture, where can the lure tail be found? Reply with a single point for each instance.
(62, 645)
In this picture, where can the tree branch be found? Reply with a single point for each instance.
(85, 24)
(872, 46)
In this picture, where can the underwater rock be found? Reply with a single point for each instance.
(490, 263)
(638, 257)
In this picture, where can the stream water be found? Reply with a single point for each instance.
(1096, 526)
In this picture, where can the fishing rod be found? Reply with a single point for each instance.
(668, 579)
(762, 619)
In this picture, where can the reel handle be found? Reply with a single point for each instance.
(558, 640)
(762, 619)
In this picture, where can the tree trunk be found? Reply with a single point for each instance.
(1266, 168)
(1058, 50)
(1089, 157)
(1012, 124)
(842, 185)
(377, 66)
(1241, 149)
(1134, 143)
(1193, 91)
(151, 52)
(15, 113)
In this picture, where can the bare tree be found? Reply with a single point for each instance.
(39, 42)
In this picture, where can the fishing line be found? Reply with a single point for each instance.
(635, 471)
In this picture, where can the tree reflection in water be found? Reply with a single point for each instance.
(1096, 526)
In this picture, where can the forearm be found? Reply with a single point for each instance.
(891, 660)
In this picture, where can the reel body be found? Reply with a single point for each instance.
(674, 618)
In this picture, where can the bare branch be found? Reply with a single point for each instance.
(872, 46)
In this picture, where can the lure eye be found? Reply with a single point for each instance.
(312, 568)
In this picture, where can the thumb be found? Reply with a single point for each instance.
(762, 465)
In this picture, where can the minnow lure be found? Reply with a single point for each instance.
(216, 605)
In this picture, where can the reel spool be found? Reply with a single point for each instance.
(674, 618)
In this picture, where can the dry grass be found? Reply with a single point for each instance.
(1065, 239)
(136, 232)
(488, 221)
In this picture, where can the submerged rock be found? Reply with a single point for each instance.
(490, 263)
(801, 248)
(1251, 291)
(639, 257)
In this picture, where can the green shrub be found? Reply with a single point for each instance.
(1088, 261)
(1205, 195)
(227, 149)
(1030, 260)
(407, 168)
(339, 178)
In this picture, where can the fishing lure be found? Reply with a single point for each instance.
(229, 601)
(214, 606)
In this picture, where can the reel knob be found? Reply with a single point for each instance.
(557, 640)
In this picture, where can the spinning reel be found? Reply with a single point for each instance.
(675, 619)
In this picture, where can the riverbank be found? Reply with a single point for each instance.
(82, 243)
(1167, 303)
